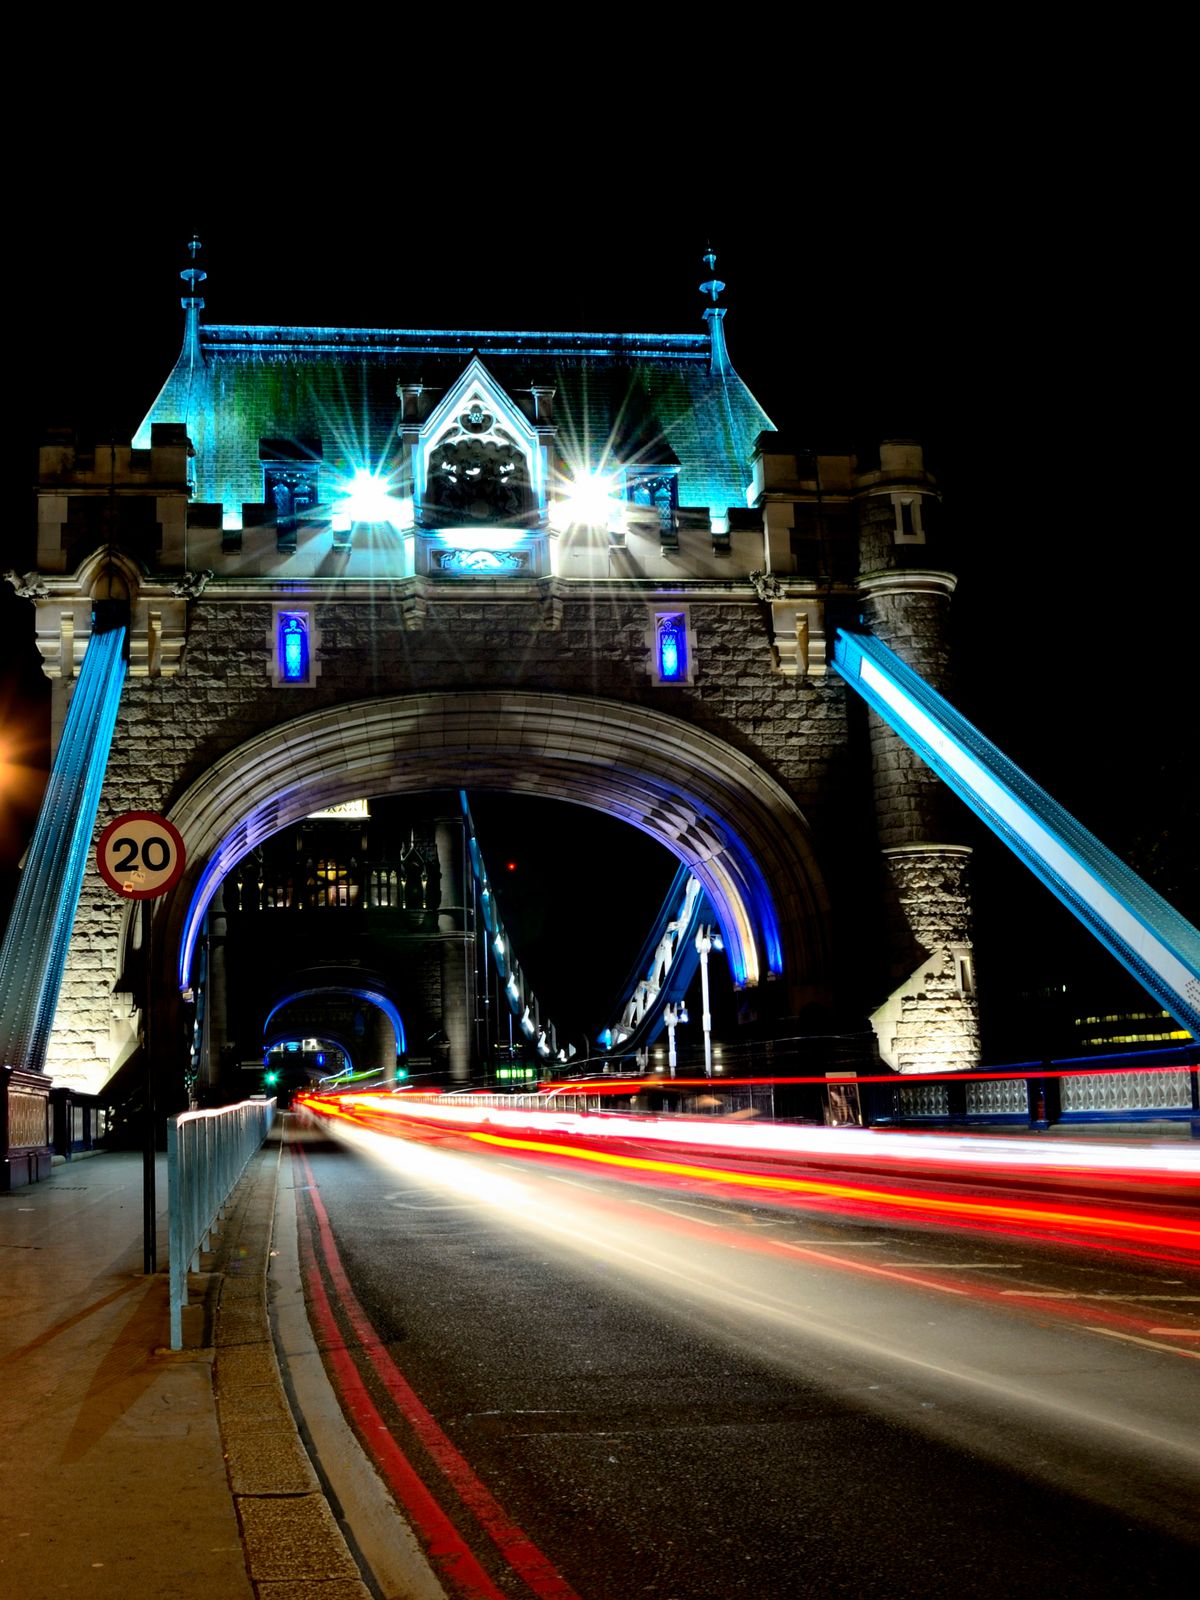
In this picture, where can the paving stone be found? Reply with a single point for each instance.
(246, 1366)
(316, 1589)
(293, 1539)
(266, 1458)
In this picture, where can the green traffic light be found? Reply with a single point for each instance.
(271, 1077)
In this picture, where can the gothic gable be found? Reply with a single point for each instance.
(478, 458)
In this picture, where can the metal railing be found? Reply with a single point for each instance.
(207, 1152)
(805, 1085)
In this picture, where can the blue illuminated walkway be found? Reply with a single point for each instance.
(1158, 946)
(34, 952)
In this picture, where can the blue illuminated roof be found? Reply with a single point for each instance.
(654, 393)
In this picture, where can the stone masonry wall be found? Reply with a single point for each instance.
(912, 804)
(172, 729)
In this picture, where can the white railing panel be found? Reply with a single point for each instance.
(207, 1152)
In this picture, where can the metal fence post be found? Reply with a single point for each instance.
(175, 1231)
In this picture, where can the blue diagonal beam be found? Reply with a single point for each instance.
(684, 911)
(34, 952)
(1144, 932)
(522, 1001)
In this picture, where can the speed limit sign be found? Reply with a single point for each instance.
(140, 855)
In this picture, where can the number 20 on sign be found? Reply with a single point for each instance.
(140, 855)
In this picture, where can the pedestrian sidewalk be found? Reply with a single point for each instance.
(124, 1481)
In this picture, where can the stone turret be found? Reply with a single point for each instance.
(930, 1020)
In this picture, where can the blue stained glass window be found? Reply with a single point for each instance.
(293, 647)
(672, 647)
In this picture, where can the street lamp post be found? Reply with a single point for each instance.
(673, 1016)
(704, 944)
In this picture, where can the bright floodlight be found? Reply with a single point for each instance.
(589, 500)
(368, 499)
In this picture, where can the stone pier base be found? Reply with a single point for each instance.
(930, 1021)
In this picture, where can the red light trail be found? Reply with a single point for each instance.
(1159, 1225)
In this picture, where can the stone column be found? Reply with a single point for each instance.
(458, 953)
(216, 1021)
(378, 1048)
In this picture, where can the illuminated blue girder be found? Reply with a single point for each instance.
(1160, 948)
(34, 952)
(522, 1001)
(665, 964)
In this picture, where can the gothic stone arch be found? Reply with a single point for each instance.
(356, 988)
(706, 802)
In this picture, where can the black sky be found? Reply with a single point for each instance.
(1021, 309)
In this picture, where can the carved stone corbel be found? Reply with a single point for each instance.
(766, 585)
(29, 586)
(191, 585)
(414, 609)
(550, 612)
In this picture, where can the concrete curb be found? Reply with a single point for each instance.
(293, 1543)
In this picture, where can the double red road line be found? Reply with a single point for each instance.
(447, 1549)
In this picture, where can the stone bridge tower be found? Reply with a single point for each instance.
(378, 562)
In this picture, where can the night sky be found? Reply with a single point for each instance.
(1014, 323)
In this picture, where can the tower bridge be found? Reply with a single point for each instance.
(396, 564)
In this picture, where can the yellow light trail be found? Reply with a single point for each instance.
(839, 1191)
